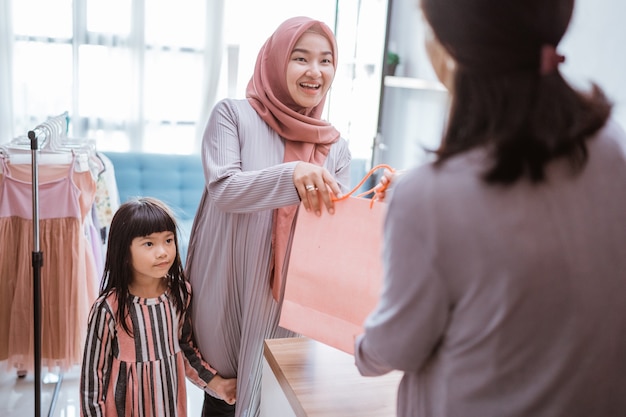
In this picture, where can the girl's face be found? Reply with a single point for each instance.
(152, 256)
(310, 70)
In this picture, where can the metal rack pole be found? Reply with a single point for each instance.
(37, 262)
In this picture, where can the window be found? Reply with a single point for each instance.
(129, 72)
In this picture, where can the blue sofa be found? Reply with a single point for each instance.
(178, 180)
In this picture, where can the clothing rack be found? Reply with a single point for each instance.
(69, 197)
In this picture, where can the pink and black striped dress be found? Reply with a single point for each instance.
(144, 375)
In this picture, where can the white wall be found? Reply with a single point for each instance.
(594, 49)
(594, 46)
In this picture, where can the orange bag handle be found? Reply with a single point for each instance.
(371, 190)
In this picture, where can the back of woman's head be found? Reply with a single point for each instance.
(503, 94)
(498, 36)
(137, 218)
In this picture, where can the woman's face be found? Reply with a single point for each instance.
(310, 70)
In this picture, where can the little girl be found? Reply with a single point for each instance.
(140, 344)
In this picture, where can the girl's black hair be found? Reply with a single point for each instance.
(137, 218)
(500, 100)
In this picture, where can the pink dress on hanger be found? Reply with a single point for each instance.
(68, 282)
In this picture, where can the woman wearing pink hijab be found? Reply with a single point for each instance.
(262, 157)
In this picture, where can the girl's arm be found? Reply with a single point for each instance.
(97, 359)
(199, 372)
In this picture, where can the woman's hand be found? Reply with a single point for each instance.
(385, 182)
(225, 388)
(315, 185)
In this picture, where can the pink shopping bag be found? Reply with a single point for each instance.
(334, 274)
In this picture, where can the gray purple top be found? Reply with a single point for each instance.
(505, 301)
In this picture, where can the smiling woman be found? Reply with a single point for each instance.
(262, 156)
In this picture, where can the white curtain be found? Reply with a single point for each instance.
(213, 54)
(135, 75)
(6, 87)
(149, 96)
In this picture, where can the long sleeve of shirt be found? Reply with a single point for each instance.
(97, 359)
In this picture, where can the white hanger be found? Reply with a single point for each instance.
(55, 148)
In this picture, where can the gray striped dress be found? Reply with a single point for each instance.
(229, 256)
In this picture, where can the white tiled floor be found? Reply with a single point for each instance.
(17, 395)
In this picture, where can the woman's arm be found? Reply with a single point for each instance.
(97, 360)
(245, 180)
(244, 168)
(411, 316)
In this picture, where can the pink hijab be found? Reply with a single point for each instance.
(307, 137)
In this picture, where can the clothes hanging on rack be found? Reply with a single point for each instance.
(69, 241)
(69, 276)
(107, 196)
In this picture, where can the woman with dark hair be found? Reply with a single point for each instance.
(504, 258)
(508, 94)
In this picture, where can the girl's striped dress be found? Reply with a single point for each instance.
(141, 375)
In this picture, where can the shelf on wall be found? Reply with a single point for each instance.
(414, 83)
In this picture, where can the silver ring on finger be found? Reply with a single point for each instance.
(310, 187)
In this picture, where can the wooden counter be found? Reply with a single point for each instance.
(305, 378)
